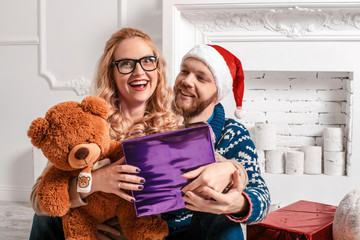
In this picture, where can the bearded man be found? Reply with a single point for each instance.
(230, 191)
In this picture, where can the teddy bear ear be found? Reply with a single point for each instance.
(37, 131)
(96, 105)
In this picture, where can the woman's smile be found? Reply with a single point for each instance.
(139, 85)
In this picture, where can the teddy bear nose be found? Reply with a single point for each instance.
(81, 153)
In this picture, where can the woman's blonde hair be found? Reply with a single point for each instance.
(158, 116)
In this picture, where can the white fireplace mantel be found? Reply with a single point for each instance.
(278, 36)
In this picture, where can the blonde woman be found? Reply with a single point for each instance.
(131, 78)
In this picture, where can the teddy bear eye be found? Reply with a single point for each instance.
(87, 140)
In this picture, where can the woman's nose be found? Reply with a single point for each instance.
(138, 69)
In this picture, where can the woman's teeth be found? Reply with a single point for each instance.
(139, 83)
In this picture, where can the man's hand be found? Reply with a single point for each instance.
(232, 202)
(216, 176)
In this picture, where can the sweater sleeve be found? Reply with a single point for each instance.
(236, 144)
(75, 199)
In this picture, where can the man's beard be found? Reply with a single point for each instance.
(197, 107)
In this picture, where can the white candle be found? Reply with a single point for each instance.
(334, 163)
(333, 139)
(275, 161)
(294, 163)
(261, 160)
(265, 136)
(312, 159)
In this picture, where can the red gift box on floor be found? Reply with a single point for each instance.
(302, 220)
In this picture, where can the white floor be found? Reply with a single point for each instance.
(15, 220)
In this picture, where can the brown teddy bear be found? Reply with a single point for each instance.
(74, 136)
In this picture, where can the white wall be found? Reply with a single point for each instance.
(280, 37)
(38, 62)
(47, 49)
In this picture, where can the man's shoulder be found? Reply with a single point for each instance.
(232, 123)
(234, 130)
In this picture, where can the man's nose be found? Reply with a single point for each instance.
(189, 80)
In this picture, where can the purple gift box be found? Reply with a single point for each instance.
(162, 159)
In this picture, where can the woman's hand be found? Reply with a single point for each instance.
(106, 228)
(115, 178)
(216, 176)
(232, 202)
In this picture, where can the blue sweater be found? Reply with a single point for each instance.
(232, 142)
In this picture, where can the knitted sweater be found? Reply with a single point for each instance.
(233, 142)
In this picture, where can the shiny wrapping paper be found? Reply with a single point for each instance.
(162, 159)
(302, 220)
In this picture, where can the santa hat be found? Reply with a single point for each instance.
(226, 69)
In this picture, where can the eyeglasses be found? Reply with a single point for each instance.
(126, 66)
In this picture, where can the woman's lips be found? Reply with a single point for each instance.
(139, 85)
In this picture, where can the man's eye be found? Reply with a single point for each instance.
(184, 71)
(201, 78)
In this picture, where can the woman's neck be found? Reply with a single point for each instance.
(134, 112)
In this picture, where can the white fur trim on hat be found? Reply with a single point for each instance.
(217, 65)
(239, 112)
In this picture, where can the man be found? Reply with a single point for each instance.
(207, 75)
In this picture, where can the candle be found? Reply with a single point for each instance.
(294, 163)
(261, 160)
(275, 161)
(312, 159)
(333, 139)
(265, 136)
(334, 163)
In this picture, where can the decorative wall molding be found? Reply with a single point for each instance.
(15, 193)
(228, 22)
(292, 21)
(19, 41)
(80, 85)
(122, 13)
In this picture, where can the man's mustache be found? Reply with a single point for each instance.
(181, 86)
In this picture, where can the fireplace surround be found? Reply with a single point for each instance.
(295, 53)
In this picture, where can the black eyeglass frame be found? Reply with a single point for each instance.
(116, 63)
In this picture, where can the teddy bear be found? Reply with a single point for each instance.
(75, 136)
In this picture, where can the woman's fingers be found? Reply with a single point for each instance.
(126, 168)
(101, 236)
(106, 228)
(130, 178)
(129, 186)
(124, 195)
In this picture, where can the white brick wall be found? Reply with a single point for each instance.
(299, 104)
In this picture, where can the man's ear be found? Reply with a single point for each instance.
(216, 98)
(37, 131)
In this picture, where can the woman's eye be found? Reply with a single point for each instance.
(125, 63)
(148, 60)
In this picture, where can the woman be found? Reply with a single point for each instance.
(131, 78)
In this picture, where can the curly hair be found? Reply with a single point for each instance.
(158, 116)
